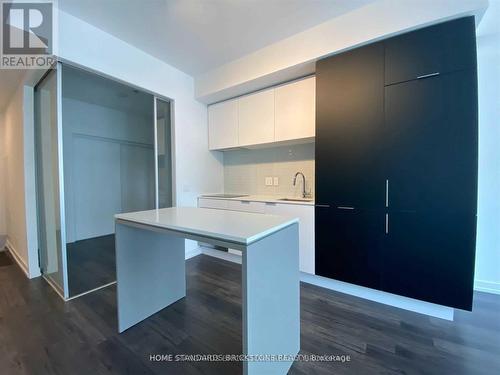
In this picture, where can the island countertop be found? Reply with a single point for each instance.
(234, 226)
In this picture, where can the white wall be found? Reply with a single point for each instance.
(487, 275)
(20, 190)
(14, 178)
(295, 56)
(197, 170)
(3, 185)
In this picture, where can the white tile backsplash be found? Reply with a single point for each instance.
(245, 170)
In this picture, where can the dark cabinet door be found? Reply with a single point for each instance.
(347, 245)
(431, 134)
(349, 121)
(430, 256)
(442, 48)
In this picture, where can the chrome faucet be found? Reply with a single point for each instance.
(304, 193)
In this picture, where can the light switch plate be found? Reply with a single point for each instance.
(275, 181)
(269, 181)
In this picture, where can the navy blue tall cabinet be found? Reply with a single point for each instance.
(396, 164)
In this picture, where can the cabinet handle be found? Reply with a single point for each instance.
(387, 193)
(323, 205)
(270, 204)
(386, 223)
(428, 75)
(345, 208)
(245, 202)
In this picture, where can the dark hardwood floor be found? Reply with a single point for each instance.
(5, 260)
(40, 334)
(91, 264)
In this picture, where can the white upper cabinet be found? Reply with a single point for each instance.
(295, 110)
(279, 114)
(256, 118)
(223, 125)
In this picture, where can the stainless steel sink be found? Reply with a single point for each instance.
(296, 199)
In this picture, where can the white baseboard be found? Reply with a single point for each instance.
(405, 303)
(394, 300)
(55, 287)
(20, 261)
(487, 286)
(91, 291)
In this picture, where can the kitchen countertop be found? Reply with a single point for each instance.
(234, 226)
(260, 198)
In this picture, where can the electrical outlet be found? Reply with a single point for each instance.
(269, 181)
(276, 181)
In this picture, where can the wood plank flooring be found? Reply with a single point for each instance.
(40, 334)
(5, 260)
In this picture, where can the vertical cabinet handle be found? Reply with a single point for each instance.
(387, 206)
(387, 193)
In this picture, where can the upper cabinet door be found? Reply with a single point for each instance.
(296, 110)
(349, 128)
(432, 143)
(256, 118)
(439, 49)
(223, 125)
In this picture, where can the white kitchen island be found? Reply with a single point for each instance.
(150, 269)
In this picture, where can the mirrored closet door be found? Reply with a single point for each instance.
(116, 156)
(50, 196)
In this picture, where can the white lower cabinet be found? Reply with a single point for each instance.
(246, 206)
(305, 213)
(220, 204)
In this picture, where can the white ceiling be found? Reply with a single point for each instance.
(198, 35)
